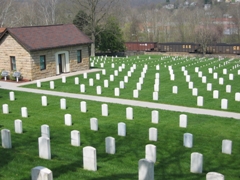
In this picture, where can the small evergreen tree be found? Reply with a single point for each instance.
(110, 39)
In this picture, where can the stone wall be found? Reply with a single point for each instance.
(51, 62)
(29, 63)
(10, 47)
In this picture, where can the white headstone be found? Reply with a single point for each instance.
(85, 76)
(51, 84)
(110, 145)
(44, 148)
(231, 77)
(196, 69)
(188, 78)
(116, 92)
(83, 106)
(215, 75)
(224, 104)
(126, 79)
(188, 140)
(157, 76)
(18, 126)
(183, 120)
(82, 88)
(104, 72)
(76, 80)
(89, 158)
(115, 72)
(200, 74)
(97, 76)
(99, 90)
(221, 81)
(63, 103)
(24, 112)
(6, 138)
(68, 119)
(44, 100)
(135, 93)
(75, 138)
(121, 84)
(194, 91)
(214, 176)
(155, 117)
(209, 86)
(121, 129)
(38, 83)
(228, 88)
(145, 170)
(11, 96)
(94, 124)
(129, 113)
(155, 96)
(104, 110)
(5, 109)
(224, 71)
(111, 77)
(139, 86)
(210, 70)
(91, 82)
(172, 77)
(151, 152)
(45, 131)
(200, 101)
(196, 163)
(190, 85)
(174, 89)
(63, 79)
(106, 84)
(204, 79)
(227, 146)
(215, 94)
(237, 96)
(153, 134)
(41, 173)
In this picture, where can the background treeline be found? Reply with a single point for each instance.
(131, 20)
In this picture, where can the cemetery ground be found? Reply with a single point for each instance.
(161, 74)
(173, 159)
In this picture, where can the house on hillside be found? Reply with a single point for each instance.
(44, 51)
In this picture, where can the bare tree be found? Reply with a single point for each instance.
(47, 9)
(4, 11)
(96, 11)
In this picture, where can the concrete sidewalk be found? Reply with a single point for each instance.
(126, 102)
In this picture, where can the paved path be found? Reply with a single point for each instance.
(15, 87)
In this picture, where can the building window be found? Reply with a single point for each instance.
(79, 56)
(189, 46)
(234, 48)
(42, 62)
(183, 46)
(13, 63)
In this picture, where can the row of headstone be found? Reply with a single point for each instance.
(5, 110)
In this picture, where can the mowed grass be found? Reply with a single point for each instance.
(173, 160)
(184, 96)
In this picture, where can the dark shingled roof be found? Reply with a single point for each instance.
(45, 37)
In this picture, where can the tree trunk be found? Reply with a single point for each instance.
(93, 45)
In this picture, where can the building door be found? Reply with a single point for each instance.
(62, 62)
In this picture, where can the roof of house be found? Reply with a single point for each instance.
(2, 30)
(46, 37)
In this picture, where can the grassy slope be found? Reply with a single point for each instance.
(172, 158)
(184, 96)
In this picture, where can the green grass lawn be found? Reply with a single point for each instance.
(184, 96)
(173, 160)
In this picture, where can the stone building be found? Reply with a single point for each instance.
(43, 51)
